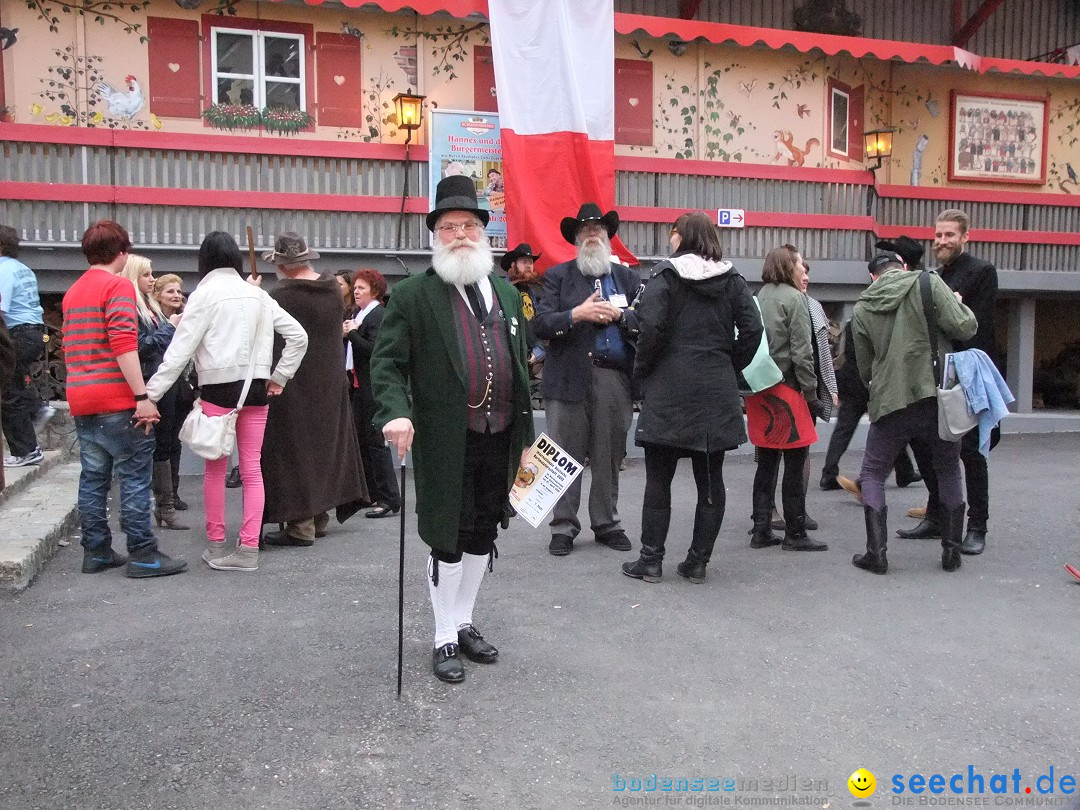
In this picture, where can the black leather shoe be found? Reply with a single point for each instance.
(828, 482)
(382, 510)
(811, 524)
(616, 540)
(974, 542)
(926, 530)
(560, 545)
(445, 664)
(101, 559)
(283, 538)
(803, 543)
(475, 648)
(642, 569)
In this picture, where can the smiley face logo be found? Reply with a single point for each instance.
(862, 784)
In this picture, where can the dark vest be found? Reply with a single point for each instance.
(489, 373)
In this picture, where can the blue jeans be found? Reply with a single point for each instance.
(107, 443)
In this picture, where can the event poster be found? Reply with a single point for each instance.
(541, 480)
(470, 143)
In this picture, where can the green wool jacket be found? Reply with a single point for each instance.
(892, 343)
(787, 325)
(417, 373)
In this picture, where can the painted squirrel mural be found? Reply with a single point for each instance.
(786, 148)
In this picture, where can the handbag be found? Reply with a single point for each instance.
(214, 437)
(761, 372)
(955, 417)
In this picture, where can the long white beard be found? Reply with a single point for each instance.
(462, 266)
(594, 259)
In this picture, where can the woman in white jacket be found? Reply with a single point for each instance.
(228, 324)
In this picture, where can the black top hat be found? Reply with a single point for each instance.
(905, 247)
(881, 261)
(520, 252)
(589, 212)
(455, 193)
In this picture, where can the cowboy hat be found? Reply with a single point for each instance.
(589, 212)
(520, 252)
(455, 193)
(290, 248)
(905, 247)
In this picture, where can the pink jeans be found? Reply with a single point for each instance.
(250, 426)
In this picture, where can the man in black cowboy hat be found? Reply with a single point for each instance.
(518, 264)
(586, 316)
(450, 381)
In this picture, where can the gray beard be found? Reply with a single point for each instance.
(462, 266)
(594, 260)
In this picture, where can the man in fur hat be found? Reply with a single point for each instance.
(586, 316)
(449, 377)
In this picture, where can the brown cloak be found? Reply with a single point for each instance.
(310, 459)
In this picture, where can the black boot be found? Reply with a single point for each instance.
(952, 528)
(707, 520)
(795, 537)
(654, 529)
(762, 532)
(178, 504)
(927, 529)
(975, 539)
(877, 532)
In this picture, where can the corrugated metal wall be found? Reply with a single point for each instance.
(1017, 30)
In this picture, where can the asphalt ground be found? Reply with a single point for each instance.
(784, 672)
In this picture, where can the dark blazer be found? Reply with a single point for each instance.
(567, 368)
(977, 282)
(417, 372)
(362, 341)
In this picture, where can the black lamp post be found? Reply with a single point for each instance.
(410, 111)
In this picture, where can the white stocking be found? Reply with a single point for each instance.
(473, 567)
(444, 600)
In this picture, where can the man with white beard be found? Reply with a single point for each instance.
(451, 382)
(585, 313)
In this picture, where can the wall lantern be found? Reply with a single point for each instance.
(410, 109)
(878, 145)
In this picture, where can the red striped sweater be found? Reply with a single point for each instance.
(100, 323)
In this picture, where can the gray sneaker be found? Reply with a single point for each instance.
(243, 559)
(215, 551)
(35, 456)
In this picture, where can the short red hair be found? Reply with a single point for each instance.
(104, 241)
(374, 279)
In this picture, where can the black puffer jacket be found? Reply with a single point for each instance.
(688, 355)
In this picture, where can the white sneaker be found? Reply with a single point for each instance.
(35, 456)
(44, 416)
(243, 559)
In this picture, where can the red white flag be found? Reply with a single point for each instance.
(555, 79)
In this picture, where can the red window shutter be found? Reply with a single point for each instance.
(855, 122)
(633, 102)
(339, 87)
(484, 99)
(174, 67)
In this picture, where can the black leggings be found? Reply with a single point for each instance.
(792, 493)
(660, 464)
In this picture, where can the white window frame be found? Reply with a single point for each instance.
(834, 93)
(258, 60)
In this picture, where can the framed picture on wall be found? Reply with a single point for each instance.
(998, 138)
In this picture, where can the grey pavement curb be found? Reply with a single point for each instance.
(36, 521)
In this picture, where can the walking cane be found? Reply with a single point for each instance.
(401, 583)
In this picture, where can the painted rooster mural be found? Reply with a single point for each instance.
(122, 104)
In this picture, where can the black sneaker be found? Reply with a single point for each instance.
(100, 559)
(615, 540)
(560, 545)
(152, 563)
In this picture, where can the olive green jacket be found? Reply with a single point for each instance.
(417, 373)
(892, 343)
(787, 325)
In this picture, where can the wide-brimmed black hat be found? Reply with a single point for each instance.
(520, 252)
(905, 247)
(883, 260)
(589, 212)
(455, 193)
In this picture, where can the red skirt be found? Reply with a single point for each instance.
(777, 418)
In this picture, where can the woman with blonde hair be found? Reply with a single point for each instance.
(170, 297)
(155, 333)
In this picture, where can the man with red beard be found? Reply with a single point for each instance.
(585, 314)
(450, 381)
(975, 283)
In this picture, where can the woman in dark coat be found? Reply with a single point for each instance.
(369, 287)
(699, 327)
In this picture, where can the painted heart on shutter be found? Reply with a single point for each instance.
(634, 102)
(175, 68)
(339, 80)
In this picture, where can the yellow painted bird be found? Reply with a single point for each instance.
(65, 121)
(52, 118)
(155, 121)
(97, 118)
(36, 109)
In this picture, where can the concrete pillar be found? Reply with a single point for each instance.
(1021, 371)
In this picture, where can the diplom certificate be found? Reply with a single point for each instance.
(542, 479)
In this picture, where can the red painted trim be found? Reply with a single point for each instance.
(199, 198)
(986, 235)
(978, 195)
(975, 22)
(1034, 181)
(241, 144)
(755, 171)
(456, 8)
(755, 219)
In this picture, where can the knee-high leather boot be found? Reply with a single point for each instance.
(174, 466)
(762, 533)
(877, 533)
(707, 521)
(164, 512)
(654, 529)
(952, 532)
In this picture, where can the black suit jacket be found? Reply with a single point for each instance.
(977, 282)
(362, 340)
(568, 366)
